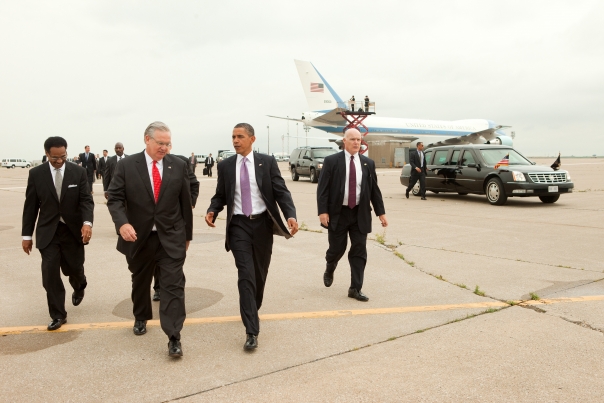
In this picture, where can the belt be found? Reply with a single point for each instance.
(253, 216)
(346, 206)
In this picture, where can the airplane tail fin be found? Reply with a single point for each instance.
(319, 94)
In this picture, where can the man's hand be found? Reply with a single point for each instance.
(86, 233)
(324, 218)
(293, 225)
(383, 220)
(128, 233)
(187, 245)
(210, 218)
(27, 245)
(106, 195)
(418, 170)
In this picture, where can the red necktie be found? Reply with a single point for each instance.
(156, 181)
(352, 184)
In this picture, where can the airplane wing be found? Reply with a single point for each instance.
(473, 138)
(332, 118)
(292, 119)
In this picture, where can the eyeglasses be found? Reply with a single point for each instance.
(63, 158)
(159, 143)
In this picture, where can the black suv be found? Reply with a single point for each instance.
(308, 161)
(472, 169)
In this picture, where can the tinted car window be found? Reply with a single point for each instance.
(493, 156)
(467, 158)
(322, 153)
(440, 157)
(428, 155)
(455, 157)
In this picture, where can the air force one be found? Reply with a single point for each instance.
(325, 103)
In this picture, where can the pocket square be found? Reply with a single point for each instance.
(72, 186)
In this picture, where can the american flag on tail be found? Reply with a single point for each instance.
(316, 87)
(556, 165)
(504, 161)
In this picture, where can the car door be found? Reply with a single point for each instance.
(441, 176)
(303, 163)
(469, 177)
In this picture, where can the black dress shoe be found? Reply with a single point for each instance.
(251, 342)
(140, 327)
(407, 194)
(359, 296)
(156, 295)
(328, 278)
(56, 324)
(77, 297)
(174, 348)
(423, 198)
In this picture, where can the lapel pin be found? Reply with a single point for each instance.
(365, 164)
(259, 165)
(169, 167)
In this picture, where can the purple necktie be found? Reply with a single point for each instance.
(352, 184)
(246, 193)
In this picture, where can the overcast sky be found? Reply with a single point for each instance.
(99, 72)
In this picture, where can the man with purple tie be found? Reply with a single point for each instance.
(348, 183)
(251, 186)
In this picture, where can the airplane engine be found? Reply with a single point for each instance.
(503, 140)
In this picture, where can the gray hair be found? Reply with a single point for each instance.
(245, 126)
(150, 130)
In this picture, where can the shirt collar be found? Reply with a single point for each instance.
(250, 158)
(62, 169)
(348, 155)
(150, 160)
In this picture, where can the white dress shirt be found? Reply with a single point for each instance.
(357, 164)
(160, 168)
(53, 172)
(258, 205)
(421, 159)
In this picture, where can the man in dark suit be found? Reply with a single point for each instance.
(348, 183)
(251, 186)
(194, 184)
(58, 198)
(417, 160)
(193, 162)
(88, 161)
(150, 203)
(102, 164)
(209, 163)
(110, 167)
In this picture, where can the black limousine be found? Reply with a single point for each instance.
(472, 168)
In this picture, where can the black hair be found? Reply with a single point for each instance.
(105, 151)
(54, 141)
(245, 126)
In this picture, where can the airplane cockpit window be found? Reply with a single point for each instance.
(440, 157)
(467, 158)
(455, 158)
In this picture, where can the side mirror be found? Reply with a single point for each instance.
(306, 157)
(472, 165)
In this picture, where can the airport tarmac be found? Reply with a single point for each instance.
(535, 335)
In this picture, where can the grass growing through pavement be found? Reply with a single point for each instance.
(381, 238)
(479, 292)
(535, 297)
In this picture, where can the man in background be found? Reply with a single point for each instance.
(209, 163)
(88, 162)
(111, 164)
(193, 162)
(417, 160)
(102, 164)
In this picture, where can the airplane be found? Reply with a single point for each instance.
(325, 107)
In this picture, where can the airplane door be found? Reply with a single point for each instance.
(469, 179)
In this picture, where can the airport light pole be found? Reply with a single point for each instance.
(297, 136)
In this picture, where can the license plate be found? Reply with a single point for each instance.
(552, 189)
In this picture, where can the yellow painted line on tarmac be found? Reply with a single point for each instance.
(294, 315)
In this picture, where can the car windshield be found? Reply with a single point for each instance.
(493, 156)
(323, 153)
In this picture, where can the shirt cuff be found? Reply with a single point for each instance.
(292, 218)
(27, 238)
(88, 223)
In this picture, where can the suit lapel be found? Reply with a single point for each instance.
(232, 172)
(48, 171)
(141, 167)
(67, 175)
(166, 176)
(366, 178)
(342, 168)
(258, 162)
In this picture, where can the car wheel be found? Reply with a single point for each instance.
(13, 167)
(415, 190)
(27, 166)
(295, 175)
(495, 192)
(462, 194)
(313, 176)
(549, 199)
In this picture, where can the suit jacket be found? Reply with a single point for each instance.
(131, 201)
(330, 191)
(109, 170)
(272, 188)
(42, 204)
(194, 160)
(102, 165)
(193, 182)
(209, 162)
(415, 162)
(88, 164)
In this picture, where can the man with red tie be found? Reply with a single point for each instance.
(251, 186)
(348, 183)
(149, 199)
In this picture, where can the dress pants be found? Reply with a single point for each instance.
(348, 226)
(172, 311)
(64, 253)
(421, 177)
(251, 242)
(156, 279)
(209, 170)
